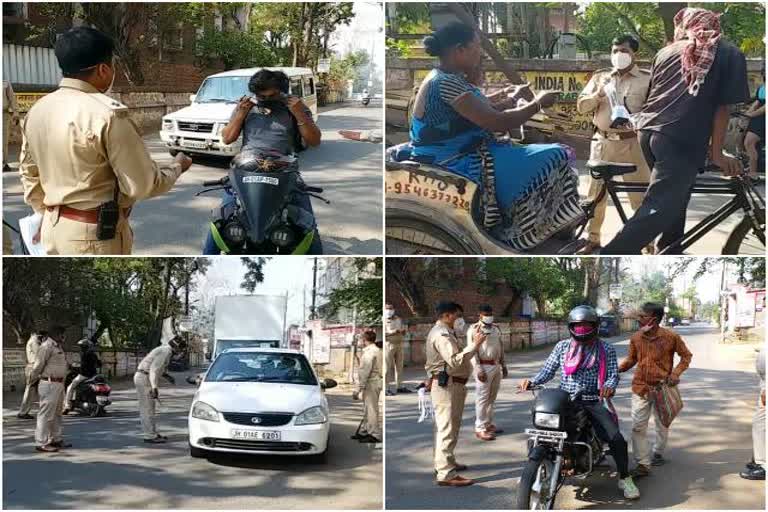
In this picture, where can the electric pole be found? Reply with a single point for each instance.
(313, 312)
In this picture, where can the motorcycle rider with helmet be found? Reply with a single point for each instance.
(588, 368)
(89, 367)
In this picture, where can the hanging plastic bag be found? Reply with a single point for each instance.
(426, 411)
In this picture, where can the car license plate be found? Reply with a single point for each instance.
(255, 435)
(194, 144)
(101, 400)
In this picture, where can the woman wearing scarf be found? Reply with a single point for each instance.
(588, 365)
(694, 81)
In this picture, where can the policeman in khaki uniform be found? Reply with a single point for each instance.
(619, 145)
(30, 390)
(489, 369)
(49, 371)
(81, 151)
(448, 391)
(147, 382)
(393, 350)
(369, 386)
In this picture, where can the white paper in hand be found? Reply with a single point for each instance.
(426, 411)
(29, 226)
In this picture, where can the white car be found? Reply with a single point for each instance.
(260, 401)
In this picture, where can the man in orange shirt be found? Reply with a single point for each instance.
(653, 350)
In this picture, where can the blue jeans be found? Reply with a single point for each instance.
(211, 249)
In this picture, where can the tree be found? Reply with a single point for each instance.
(360, 291)
(751, 270)
(254, 273)
(235, 49)
(409, 275)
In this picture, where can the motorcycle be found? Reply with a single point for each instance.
(263, 218)
(562, 445)
(366, 100)
(91, 396)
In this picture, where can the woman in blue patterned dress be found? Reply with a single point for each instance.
(529, 191)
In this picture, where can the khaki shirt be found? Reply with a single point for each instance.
(492, 349)
(51, 362)
(156, 363)
(76, 143)
(9, 99)
(632, 87)
(370, 366)
(33, 347)
(392, 326)
(444, 351)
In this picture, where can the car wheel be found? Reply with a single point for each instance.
(197, 453)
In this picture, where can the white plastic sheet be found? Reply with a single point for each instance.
(29, 226)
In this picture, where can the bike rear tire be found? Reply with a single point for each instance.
(740, 232)
(527, 480)
(442, 241)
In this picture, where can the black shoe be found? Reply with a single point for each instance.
(358, 436)
(7, 168)
(46, 449)
(25, 416)
(66, 411)
(61, 444)
(751, 465)
(404, 390)
(389, 393)
(370, 439)
(658, 460)
(753, 474)
(156, 440)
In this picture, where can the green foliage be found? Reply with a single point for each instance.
(751, 270)
(235, 49)
(397, 48)
(347, 68)
(362, 290)
(254, 273)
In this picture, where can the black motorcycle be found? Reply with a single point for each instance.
(563, 444)
(91, 396)
(263, 217)
(366, 100)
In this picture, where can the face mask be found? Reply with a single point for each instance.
(389, 313)
(582, 330)
(459, 324)
(487, 320)
(621, 60)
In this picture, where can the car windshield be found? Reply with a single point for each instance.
(222, 345)
(223, 89)
(261, 367)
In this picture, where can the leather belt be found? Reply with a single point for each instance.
(457, 380)
(85, 216)
(488, 361)
(53, 379)
(618, 135)
(143, 371)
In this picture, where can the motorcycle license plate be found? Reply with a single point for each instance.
(194, 144)
(255, 435)
(261, 179)
(546, 433)
(102, 400)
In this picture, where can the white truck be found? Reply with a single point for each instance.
(249, 321)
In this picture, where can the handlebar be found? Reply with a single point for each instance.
(313, 190)
(216, 183)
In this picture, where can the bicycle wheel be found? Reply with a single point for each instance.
(745, 239)
(407, 235)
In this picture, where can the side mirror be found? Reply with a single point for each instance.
(192, 98)
(191, 380)
(328, 384)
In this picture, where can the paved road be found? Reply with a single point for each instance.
(349, 171)
(709, 443)
(699, 207)
(111, 468)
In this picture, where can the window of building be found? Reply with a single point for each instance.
(173, 38)
(14, 10)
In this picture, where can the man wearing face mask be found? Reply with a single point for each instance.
(448, 368)
(393, 350)
(490, 368)
(612, 141)
(460, 326)
(83, 163)
(653, 351)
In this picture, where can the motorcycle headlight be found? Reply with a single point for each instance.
(312, 416)
(203, 411)
(234, 233)
(168, 125)
(546, 420)
(282, 236)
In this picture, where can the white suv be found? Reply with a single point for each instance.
(197, 128)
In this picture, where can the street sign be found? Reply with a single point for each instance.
(614, 292)
(323, 65)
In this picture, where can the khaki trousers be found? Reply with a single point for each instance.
(49, 416)
(448, 403)
(71, 389)
(68, 237)
(641, 414)
(618, 151)
(485, 396)
(371, 402)
(6, 134)
(30, 394)
(147, 409)
(393, 362)
(758, 433)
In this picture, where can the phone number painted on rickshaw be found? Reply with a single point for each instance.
(415, 187)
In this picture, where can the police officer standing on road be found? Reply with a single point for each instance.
(147, 381)
(393, 349)
(48, 373)
(615, 143)
(30, 390)
(490, 368)
(448, 368)
(369, 386)
(83, 163)
(10, 117)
